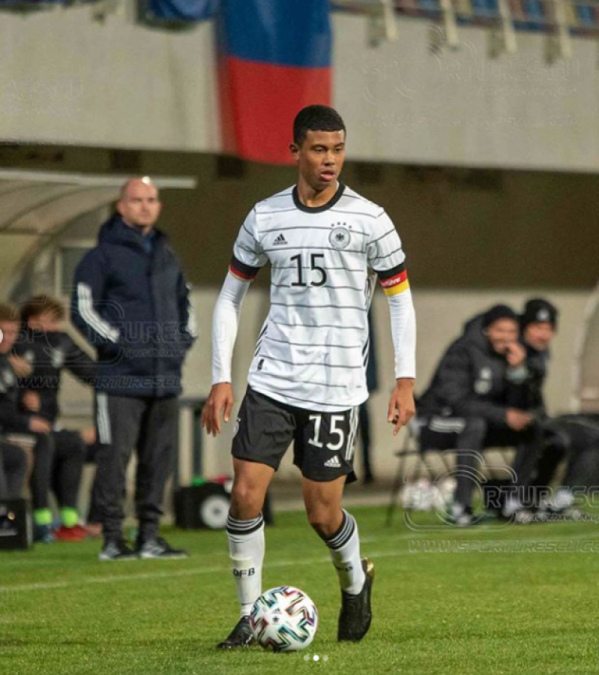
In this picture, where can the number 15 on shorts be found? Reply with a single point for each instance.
(336, 433)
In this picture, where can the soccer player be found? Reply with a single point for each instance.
(307, 377)
(49, 350)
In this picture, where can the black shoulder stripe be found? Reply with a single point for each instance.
(246, 270)
(394, 271)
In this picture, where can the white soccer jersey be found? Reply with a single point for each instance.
(313, 347)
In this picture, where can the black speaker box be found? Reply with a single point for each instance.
(207, 506)
(15, 526)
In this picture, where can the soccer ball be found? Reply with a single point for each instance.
(285, 619)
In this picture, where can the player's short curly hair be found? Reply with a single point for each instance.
(41, 304)
(9, 313)
(316, 118)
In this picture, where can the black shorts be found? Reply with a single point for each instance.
(323, 443)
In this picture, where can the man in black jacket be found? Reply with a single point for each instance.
(15, 419)
(49, 350)
(573, 438)
(131, 302)
(466, 405)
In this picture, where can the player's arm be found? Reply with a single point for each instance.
(247, 260)
(386, 257)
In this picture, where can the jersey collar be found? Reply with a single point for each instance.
(318, 209)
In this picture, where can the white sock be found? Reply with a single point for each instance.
(345, 553)
(246, 550)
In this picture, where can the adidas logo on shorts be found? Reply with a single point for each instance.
(333, 463)
(279, 241)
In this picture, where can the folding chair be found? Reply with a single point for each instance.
(411, 448)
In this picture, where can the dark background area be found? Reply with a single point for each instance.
(463, 228)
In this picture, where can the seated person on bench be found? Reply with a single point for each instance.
(570, 438)
(49, 351)
(15, 420)
(465, 407)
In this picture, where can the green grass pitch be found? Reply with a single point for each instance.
(514, 600)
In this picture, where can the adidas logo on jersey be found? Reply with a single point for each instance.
(280, 241)
(333, 463)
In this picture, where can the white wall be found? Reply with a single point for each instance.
(404, 103)
(65, 78)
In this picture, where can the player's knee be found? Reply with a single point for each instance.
(323, 521)
(246, 502)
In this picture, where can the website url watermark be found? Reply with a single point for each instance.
(498, 546)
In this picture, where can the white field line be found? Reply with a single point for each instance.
(56, 585)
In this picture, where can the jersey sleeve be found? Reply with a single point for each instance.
(248, 255)
(386, 256)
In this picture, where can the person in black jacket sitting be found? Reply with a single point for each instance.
(49, 350)
(466, 405)
(131, 302)
(15, 419)
(570, 438)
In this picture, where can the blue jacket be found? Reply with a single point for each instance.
(131, 302)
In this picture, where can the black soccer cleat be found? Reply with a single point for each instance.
(240, 636)
(356, 612)
(159, 549)
(116, 549)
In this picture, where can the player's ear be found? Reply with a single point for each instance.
(294, 149)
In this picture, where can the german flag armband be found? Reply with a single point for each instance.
(242, 271)
(395, 280)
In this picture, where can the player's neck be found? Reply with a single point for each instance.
(311, 197)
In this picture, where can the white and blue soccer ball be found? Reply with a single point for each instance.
(285, 619)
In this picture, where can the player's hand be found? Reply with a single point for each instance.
(518, 419)
(401, 404)
(515, 355)
(39, 425)
(21, 366)
(220, 402)
(31, 401)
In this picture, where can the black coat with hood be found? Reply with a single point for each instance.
(131, 302)
(471, 380)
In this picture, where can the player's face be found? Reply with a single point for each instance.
(320, 158)
(539, 335)
(10, 332)
(140, 206)
(502, 334)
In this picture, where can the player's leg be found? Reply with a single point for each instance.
(118, 421)
(339, 531)
(442, 433)
(156, 454)
(519, 502)
(469, 445)
(245, 529)
(40, 482)
(264, 431)
(69, 458)
(582, 467)
(245, 532)
(324, 447)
